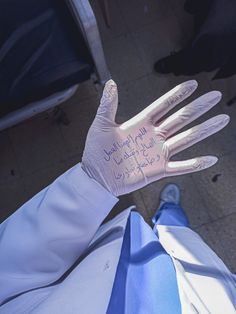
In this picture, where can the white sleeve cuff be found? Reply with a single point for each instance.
(95, 194)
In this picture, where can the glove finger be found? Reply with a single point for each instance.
(109, 102)
(196, 134)
(174, 168)
(168, 101)
(189, 113)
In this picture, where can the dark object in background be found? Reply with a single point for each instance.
(41, 52)
(213, 45)
(215, 178)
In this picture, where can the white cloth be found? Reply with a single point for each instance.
(205, 283)
(53, 230)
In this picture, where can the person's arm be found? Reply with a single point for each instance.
(43, 238)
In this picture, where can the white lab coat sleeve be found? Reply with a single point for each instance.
(44, 237)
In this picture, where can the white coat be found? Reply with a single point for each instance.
(61, 227)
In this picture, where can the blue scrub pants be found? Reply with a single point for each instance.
(171, 215)
(145, 281)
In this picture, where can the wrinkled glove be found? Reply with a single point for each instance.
(126, 157)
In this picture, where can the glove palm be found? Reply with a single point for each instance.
(126, 157)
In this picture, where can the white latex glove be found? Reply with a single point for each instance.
(126, 157)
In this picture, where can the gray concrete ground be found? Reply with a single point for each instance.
(35, 152)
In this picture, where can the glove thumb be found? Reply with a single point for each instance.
(109, 102)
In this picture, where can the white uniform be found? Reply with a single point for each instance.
(60, 227)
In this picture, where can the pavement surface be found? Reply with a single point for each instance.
(35, 152)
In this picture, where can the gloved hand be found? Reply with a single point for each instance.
(126, 157)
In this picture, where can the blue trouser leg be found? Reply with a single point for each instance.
(145, 280)
(171, 215)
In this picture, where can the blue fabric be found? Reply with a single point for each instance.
(145, 280)
(42, 52)
(171, 215)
